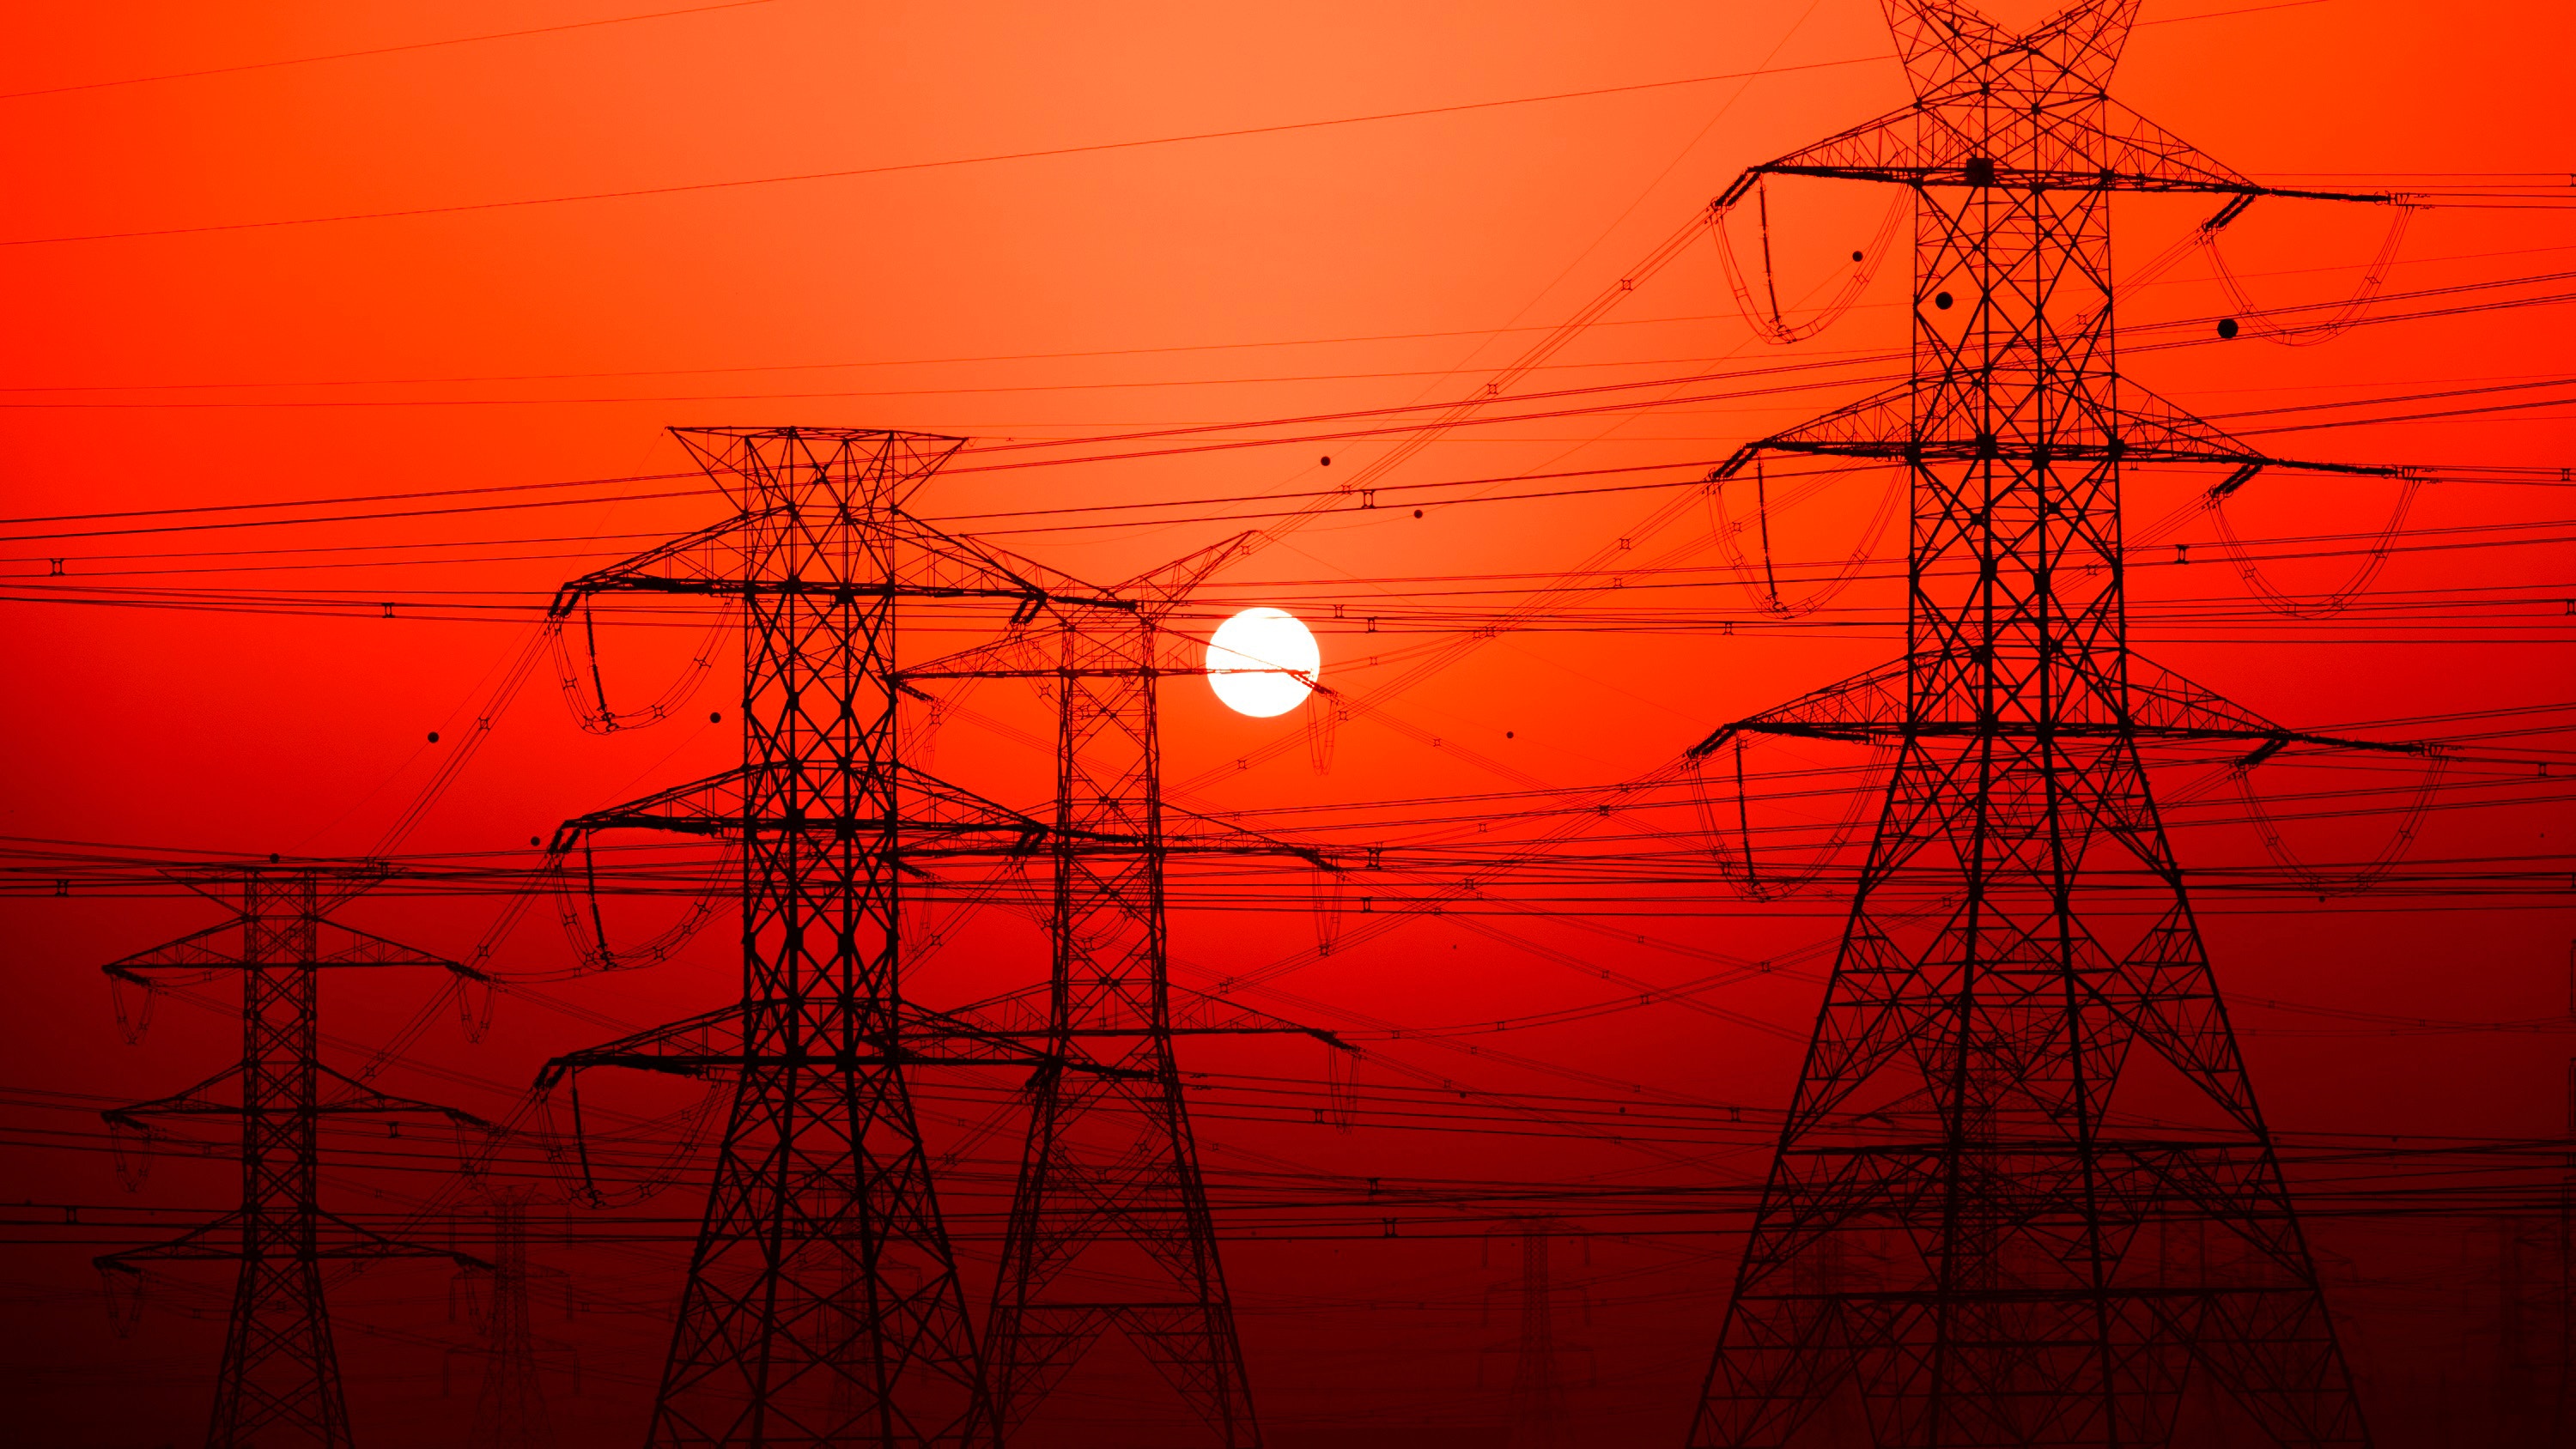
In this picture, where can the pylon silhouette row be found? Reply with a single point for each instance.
(823, 1304)
(2017, 1082)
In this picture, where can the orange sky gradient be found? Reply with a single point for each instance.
(171, 345)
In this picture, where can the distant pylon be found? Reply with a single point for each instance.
(2020, 946)
(279, 1385)
(1538, 1415)
(822, 1305)
(510, 1404)
(2525, 1311)
(1110, 1229)
(2562, 1414)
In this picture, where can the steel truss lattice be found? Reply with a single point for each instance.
(822, 1305)
(279, 1384)
(2006, 1092)
(510, 1400)
(1110, 1229)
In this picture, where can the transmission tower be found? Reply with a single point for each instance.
(510, 1406)
(1109, 1223)
(280, 1380)
(1539, 1415)
(822, 1304)
(2562, 1416)
(2020, 948)
(1110, 1228)
(2525, 1310)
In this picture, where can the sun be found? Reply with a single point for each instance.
(1262, 662)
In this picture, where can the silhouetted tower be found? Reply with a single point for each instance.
(279, 1385)
(2525, 1309)
(1109, 1222)
(510, 1405)
(822, 1304)
(2020, 947)
(2562, 1418)
(1110, 1228)
(1539, 1417)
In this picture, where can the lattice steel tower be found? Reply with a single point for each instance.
(1538, 1416)
(510, 1400)
(1110, 1229)
(279, 1385)
(822, 1304)
(1109, 1222)
(2021, 1059)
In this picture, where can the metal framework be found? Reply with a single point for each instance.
(1110, 1227)
(279, 1384)
(510, 1403)
(2005, 1090)
(822, 1305)
(1539, 1417)
(2562, 1407)
(2524, 1309)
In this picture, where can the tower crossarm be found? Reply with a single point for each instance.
(197, 1101)
(1970, 171)
(1024, 1013)
(356, 1240)
(1917, 422)
(1157, 591)
(1020, 653)
(219, 1240)
(2268, 741)
(206, 1242)
(339, 945)
(719, 560)
(708, 561)
(1207, 835)
(691, 1047)
(1857, 710)
(355, 1098)
(712, 1044)
(1150, 596)
(2027, 114)
(1871, 708)
(200, 954)
(936, 564)
(940, 819)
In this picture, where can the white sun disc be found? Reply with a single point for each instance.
(1262, 662)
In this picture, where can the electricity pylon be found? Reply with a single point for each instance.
(2526, 1310)
(1955, 1123)
(1110, 1227)
(1539, 1417)
(2562, 1414)
(280, 1380)
(510, 1403)
(822, 1305)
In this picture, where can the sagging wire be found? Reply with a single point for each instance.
(2306, 334)
(2370, 872)
(1771, 326)
(581, 1183)
(1730, 845)
(1766, 595)
(2334, 601)
(507, 690)
(587, 930)
(590, 706)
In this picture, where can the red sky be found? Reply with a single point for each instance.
(797, 211)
